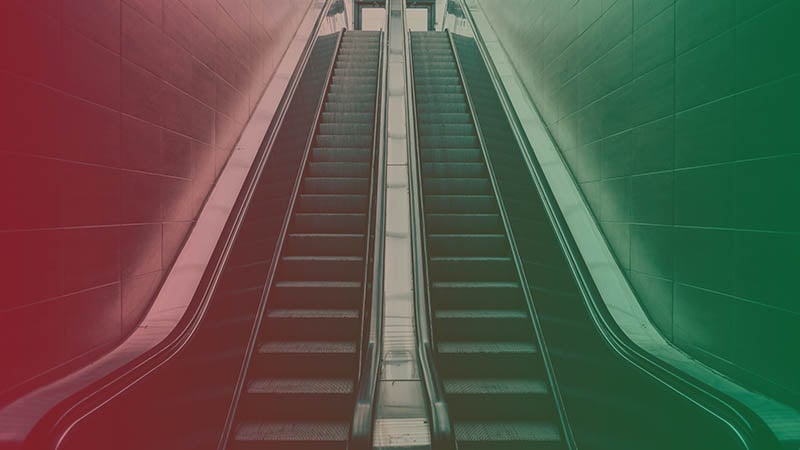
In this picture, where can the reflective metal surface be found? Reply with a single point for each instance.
(401, 416)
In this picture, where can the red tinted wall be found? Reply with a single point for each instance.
(117, 116)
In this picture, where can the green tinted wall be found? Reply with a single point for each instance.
(680, 119)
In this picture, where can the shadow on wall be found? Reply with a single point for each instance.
(119, 115)
(678, 118)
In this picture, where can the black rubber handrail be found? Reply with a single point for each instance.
(751, 429)
(372, 308)
(262, 307)
(566, 430)
(442, 432)
(50, 429)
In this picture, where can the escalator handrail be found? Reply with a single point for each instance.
(276, 257)
(751, 428)
(370, 340)
(518, 265)
(62, 408)
(442, 431)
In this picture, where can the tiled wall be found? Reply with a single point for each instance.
(679, 120)
(116, 118)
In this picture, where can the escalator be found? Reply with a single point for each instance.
(300, 383)
(610, 401)
(491, 365)
(524, 361)
(273, 364)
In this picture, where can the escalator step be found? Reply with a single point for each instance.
(454, 170)
(450, 203)
(472, 186)
(333, 203)
(487, 348)
(312, 325)
(305, 359)
(292, 435)
(495, 360)
(472, 268)
(316, 294)
(504, 386)
(448, 141)
(329, 116)
(495, 325)
(309, 244)
(321, 268)
(453, 154)
(507, 435)
(340, 154)
(447, 129)
(474, 294)
(297, 398)
(306, 386)
(463, 223)
(467, 244)
(346, 129)
(329, 223)
(322, 185)
(338, 169)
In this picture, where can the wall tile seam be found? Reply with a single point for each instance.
(673, 225)
(751, 380)
(674, 61)
(61, 297)
(580, 34)
(712, 360)
(64, 23)
(89, 227)
(628, 84)
(651, 275)
(735, 161)
(95, 165)
(635, 175)
(544, 41)
(195, 59)
(118, 111)
(700, 44)
(790, 234)
(671, 4)
(734, 28)
(795, 315)
(230, 15)
(742, 91)
(58, 368)
(760, 13)
(601, 56)
(120, 279)
(163, 80)
(133, 7)
(40, 84)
